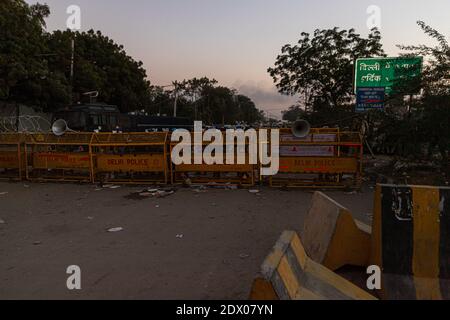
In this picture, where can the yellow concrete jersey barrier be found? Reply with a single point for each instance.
(411, 241)
(332, 237)
(289, 274)
(12, 156)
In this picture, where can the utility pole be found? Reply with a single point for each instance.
(195, 105)
(72, 60)
(175, 103)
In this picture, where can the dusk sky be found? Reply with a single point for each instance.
(235, 41)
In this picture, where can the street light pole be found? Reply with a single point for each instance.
(175, 103)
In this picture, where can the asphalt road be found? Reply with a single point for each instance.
(189, 245)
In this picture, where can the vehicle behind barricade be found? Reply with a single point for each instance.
(130, 158)
(12, 156)
(324, 158)
(219, 172)
(58, 158)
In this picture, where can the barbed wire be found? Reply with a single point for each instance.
(24, 124)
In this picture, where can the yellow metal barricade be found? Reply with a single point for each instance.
(63, 158)
(216, 173)
(130, 158)
(12, 156)
(325, 158)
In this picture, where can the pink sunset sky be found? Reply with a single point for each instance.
(235, 41)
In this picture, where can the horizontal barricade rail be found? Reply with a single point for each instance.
(58, 158)
(325, 158)
(130, 158)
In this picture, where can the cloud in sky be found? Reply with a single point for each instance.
(266, 96)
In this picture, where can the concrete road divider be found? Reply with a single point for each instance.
(332, 237)
(411, 241)
(289, 274)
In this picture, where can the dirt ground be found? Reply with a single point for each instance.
(189, 245)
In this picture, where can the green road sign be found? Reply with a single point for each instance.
(396, 75)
